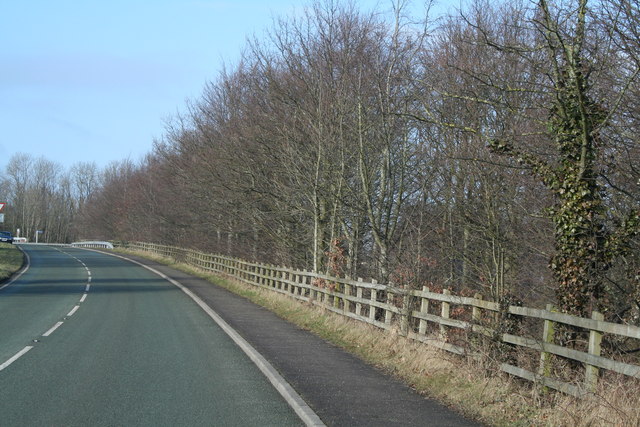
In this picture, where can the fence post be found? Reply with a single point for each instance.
(595, 341)
(279, 282)
(285, 277)
(405, 318)
(273, 274)
(547, 338)
(275, 283)
(313, 289)
(374, 299)
(424, 308)
(294, 286)
(345, 300)
(444, 313)
(306, 280)
(267, 275)
(301, 281)
(475, 311)
(359, 296)
(388, 313)
(336, 290)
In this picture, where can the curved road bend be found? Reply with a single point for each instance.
(91, 339)
(341, 389)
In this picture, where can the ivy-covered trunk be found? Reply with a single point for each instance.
(580, 235)
(586, 242)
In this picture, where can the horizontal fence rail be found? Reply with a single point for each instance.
(554, 348)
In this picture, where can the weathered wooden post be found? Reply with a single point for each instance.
(345, 300)
(388, 313)
(286, 277)
(444, 313)
(281, 275)
(476, 316)
(359, 296)
(294, 285)
(547, 338)
(405, 317)
(595, 341)
(305, 281)
(301, 282)
(374, 299)
(336, 290)
(313, 292)
(424, 309)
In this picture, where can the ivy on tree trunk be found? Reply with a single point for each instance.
(586, 245)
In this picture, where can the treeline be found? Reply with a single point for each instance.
(495, 150)
(42, 196)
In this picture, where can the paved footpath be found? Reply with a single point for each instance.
(339, 387)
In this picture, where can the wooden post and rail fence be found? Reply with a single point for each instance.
(532, 339)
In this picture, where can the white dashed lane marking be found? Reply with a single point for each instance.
(53, 328)
(73, 310)
(58, 324)
(15, 357)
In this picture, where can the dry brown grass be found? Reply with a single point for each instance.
(616, 403)
(474, 387)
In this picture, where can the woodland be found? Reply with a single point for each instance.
(494, 150)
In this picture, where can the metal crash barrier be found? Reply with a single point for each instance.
(93, 244)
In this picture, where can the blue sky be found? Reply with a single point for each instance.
(95, 80)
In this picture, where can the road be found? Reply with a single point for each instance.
(91, 339)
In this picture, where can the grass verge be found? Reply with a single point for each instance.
(473, 387)
(11, 260)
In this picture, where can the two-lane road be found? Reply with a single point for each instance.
(91, 339)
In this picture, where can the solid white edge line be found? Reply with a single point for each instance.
(21, 272)
(73, 310)
(50, 331)
(297, 403)
(15, 357)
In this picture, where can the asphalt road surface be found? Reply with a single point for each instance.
(106, 342)
(91, 339)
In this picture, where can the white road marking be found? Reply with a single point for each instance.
(50, 331)
(27, 264)
(17, 356)
(57, 325)
(297, 403)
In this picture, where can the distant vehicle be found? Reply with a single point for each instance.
(6, 237)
